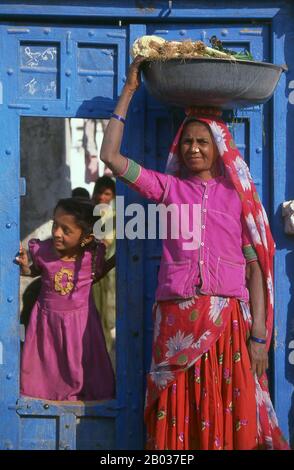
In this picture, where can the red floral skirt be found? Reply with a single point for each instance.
(216, 403)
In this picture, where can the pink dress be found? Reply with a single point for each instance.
(64, 355)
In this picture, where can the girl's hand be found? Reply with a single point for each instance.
(258, 357)
(134, 79)
(108, 265)
(23, 260)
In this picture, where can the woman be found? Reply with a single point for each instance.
(207, 388)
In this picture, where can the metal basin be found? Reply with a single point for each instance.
(211, 82)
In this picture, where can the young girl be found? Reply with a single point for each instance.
(65, 356)
(207, 387)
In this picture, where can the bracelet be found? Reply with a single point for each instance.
(257, 340)
(118, 117)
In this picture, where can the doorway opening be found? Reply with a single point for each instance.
(60, 159)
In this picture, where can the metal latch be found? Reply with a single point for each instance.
(288, 214)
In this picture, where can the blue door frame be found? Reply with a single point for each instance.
(263, 134)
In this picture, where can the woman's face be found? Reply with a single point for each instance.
(198, 150)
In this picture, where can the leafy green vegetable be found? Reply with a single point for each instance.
(218, 45)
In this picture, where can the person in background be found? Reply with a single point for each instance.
(104, 190)
(91, 150)
(104, 290)
(80, 193)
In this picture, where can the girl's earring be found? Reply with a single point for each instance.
(83, 244)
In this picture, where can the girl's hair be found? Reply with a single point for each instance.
(82, 210)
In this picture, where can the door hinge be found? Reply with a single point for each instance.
(22, 186)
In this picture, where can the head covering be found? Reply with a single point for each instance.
(238, 172)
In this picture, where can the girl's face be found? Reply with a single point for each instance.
(67, 235)
(198, 150)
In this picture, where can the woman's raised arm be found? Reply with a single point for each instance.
(110, 150)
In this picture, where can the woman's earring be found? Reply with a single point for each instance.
(83, 244)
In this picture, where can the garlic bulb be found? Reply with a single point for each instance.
(147, 46)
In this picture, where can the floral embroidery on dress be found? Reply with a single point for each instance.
(162, 376)
(204, 424)
(182, 359)
(235, 325)
(217, 442)
(186, 303)
(240, 423)
(260, 220)
(197, 377)
(194, 315)
(229, 408)
(270, 288)
(217, 304)
(178, 342)
(170, 320)
(237, 357)
(201, 339)
(219, 136)
(246, 312)
(64, 275)
(227, 376)
(161, 414)
(253, 229)
(221, 358)
(242, 172)
(181, 437)
(236, 392)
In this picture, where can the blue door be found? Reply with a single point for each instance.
(56, 72)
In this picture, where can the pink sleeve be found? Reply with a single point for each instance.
(149, 183)
(34, 250)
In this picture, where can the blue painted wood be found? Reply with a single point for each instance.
(47, 71)
(9, 276)
(61, 69)
(143, 9)
(130, 292)
(282, 189)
